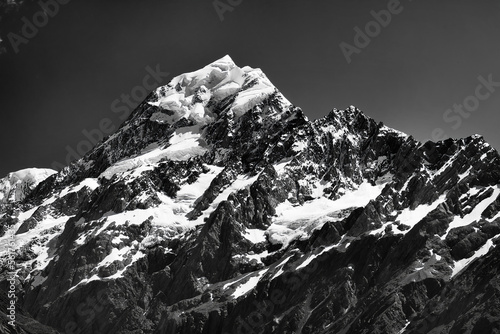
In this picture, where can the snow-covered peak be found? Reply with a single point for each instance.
(16, 185)
(225, 61)
(188, 95)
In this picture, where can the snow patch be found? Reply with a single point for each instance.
(184, 144)
(474, 215)
(90, 183)
(461, 264)
(255, 235)
(248, 285)
(309, 259)
(295, 221)
(241, 182)
(411, 217)
(280, 266)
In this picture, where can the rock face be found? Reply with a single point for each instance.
(218, 207)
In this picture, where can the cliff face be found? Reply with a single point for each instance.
(218, 207)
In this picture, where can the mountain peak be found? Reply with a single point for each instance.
(191, 95)
(226, 60)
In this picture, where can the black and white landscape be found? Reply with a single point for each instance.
(249, 167)
(219, 207)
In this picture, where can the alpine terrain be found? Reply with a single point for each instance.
(219, 207)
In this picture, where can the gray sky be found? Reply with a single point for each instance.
(414, 68)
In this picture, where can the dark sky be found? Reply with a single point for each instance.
(425, 60)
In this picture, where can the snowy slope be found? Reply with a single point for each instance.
(15, 186)
(187, 95)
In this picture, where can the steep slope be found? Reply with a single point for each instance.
(218, 207)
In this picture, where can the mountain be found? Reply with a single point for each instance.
(219, 207)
